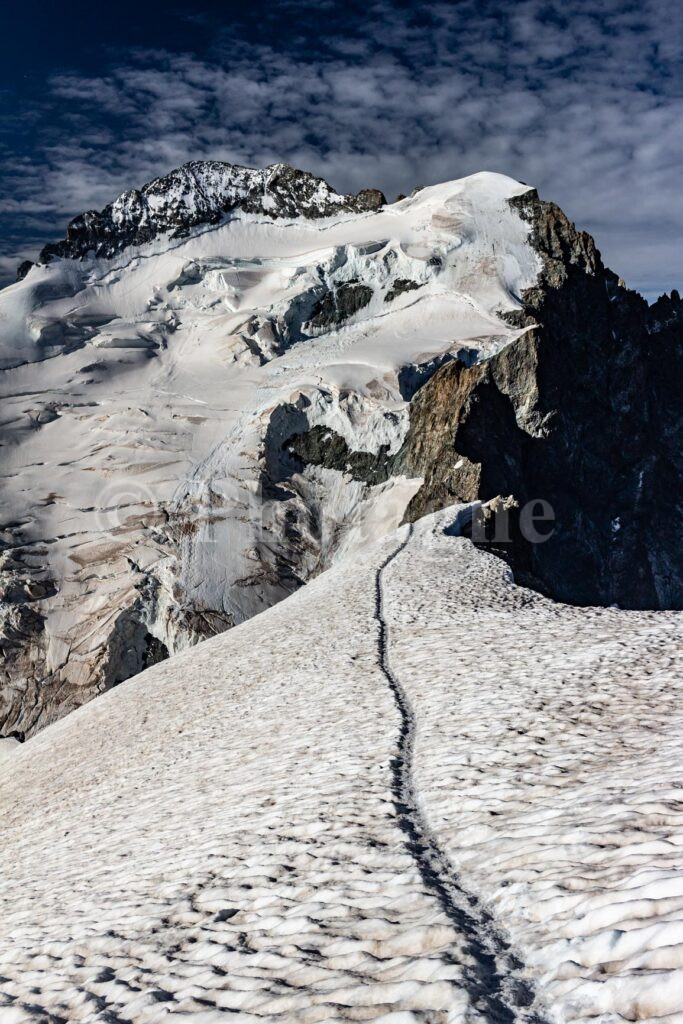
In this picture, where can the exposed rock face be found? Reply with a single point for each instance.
(582, 411)
(200, 192)
(337, 306)
(323, 447)
(403, 284)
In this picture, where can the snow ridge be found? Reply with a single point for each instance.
(492, 980)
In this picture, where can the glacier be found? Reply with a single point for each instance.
(148, 500)
(412, 773)
(251, 827)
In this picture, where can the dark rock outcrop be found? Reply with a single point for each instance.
(322, 446)
(401, 285)
(23, 269)
(338, 305)
(582, 411)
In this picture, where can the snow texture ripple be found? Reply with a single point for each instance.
(232, 832)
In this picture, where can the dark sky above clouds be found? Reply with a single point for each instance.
(583, 99)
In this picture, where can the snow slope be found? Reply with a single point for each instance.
(413, 791)
(146, 398)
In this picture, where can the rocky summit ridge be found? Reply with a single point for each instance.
(200, 192)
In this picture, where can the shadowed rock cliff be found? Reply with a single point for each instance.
(581, 411)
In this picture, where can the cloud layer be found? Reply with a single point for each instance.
(583, 100)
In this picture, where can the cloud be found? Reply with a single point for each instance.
(582, 99)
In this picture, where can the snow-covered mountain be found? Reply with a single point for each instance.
(228, 380)
(149, 397)
(415, 791)
(412, 792)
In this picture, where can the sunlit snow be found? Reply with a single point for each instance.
(139, 393)
(413, 791)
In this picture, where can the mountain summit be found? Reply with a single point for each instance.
(232, 379)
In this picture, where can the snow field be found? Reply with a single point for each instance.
(221, 833)
(547, 757)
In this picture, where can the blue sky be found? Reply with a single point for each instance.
(582, 99)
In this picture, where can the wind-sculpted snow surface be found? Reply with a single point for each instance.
(149, 497)
(547, 756)
(267, 824)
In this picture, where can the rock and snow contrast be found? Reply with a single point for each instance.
(412, 792)
(226, 380)
(150, 497)
(413, 779)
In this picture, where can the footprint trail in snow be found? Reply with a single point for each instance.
(235, 831)
(493, 980)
